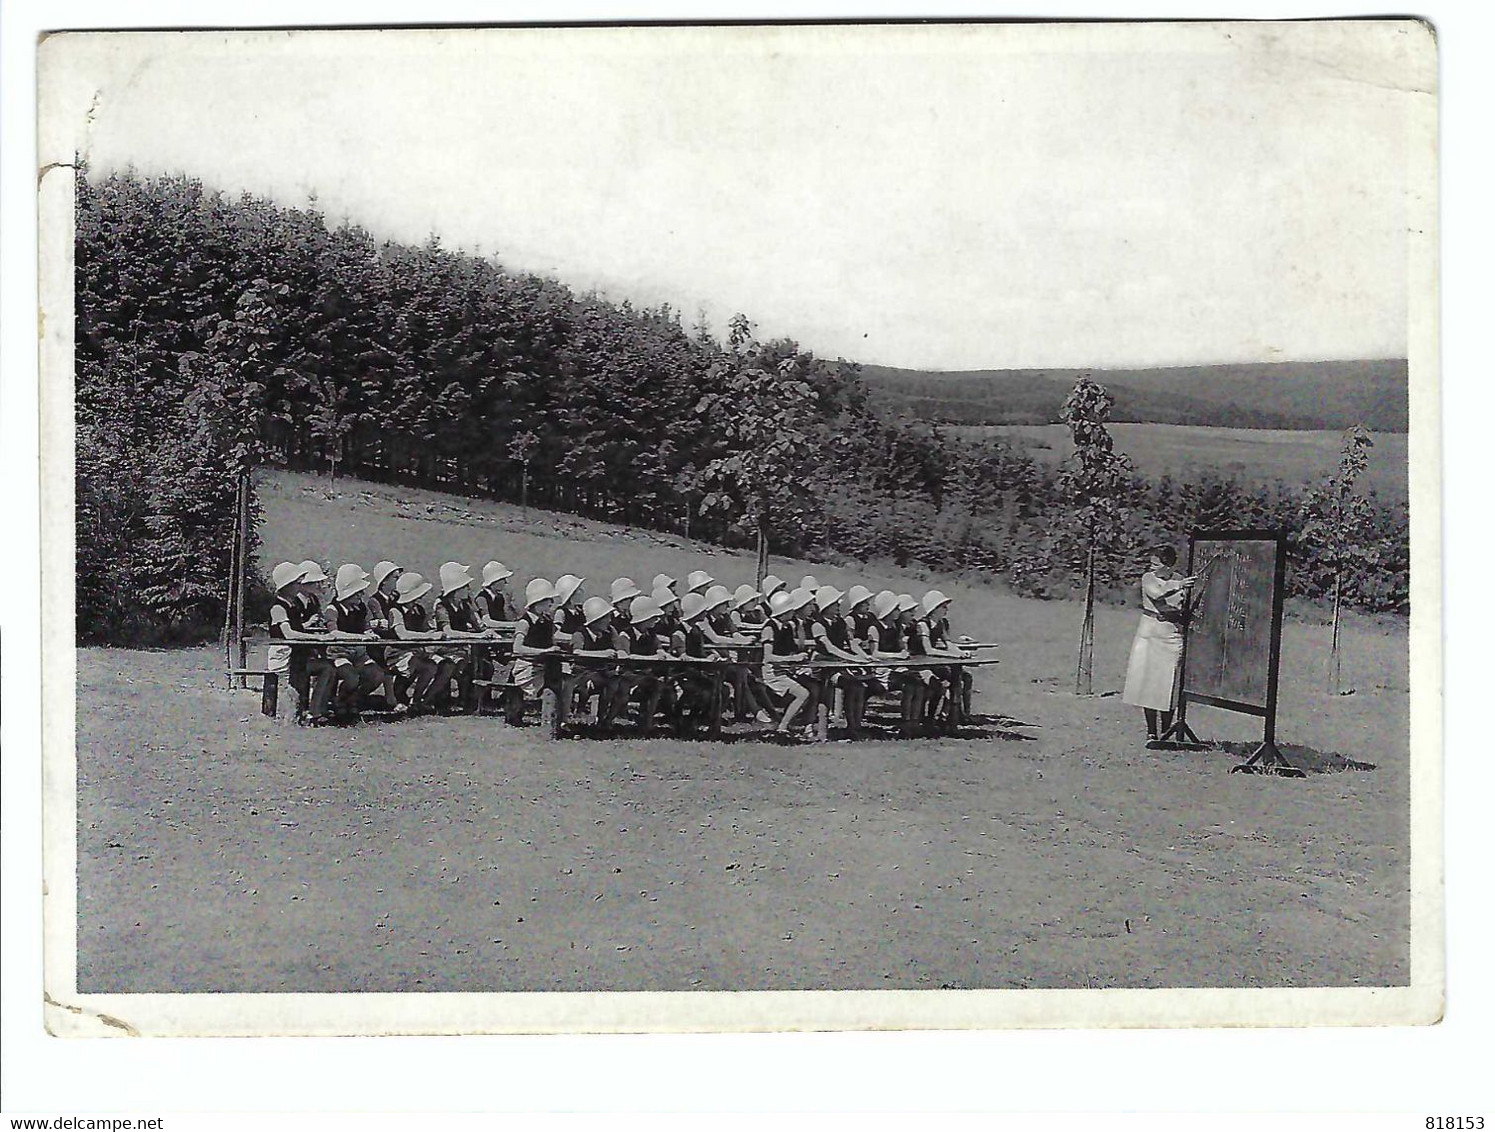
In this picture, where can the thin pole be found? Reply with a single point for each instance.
(242, 575)
(233, 574)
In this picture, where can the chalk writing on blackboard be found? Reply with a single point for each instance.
(1230, 630)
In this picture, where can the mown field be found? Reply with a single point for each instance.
(1046, 847)
(1251, 455)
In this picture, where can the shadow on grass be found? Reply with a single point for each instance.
(977, 728)
(1307, 759)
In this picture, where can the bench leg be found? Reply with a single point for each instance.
(822, 720)
(270, 694)
(550, 716)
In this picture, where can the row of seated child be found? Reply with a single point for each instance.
(357, 664)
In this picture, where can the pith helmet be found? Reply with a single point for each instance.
(884, 604)
(744, 595)
(906, 603)
(772, 584)
(781, 603)
(594, 609)
(698, 580)
(692, 605)
(411, 587)
(566, 586)
(800, 598)
(495, 571)
(286, 573)
(808, 582)
(664, 597)
(856, 595)
(313, 572)
(717, 596)
(662, 582)
(538, 590)
(645, 609)
(625, 588)
(933, 600)
(454, 576)
(383, 570)
(827, 596)
(351, 579)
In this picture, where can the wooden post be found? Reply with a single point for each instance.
(241, 575)
(550, 715)
(1084, 683)
(1334, 672)
(233, 575)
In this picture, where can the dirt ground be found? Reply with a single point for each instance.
(221, 851)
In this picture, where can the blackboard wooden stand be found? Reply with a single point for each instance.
(1267, 758)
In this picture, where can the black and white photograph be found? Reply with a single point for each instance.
(547, 525)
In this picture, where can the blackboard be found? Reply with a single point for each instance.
(1234, 630)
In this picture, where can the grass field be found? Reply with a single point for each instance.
(222, 851)
(1252, 455)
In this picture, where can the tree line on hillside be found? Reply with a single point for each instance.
(217, 334)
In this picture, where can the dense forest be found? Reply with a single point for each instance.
(216, 334)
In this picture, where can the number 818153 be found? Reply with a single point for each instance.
(1455, 1123)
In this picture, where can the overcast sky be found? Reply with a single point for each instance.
(937, 197)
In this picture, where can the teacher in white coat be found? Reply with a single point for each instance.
(1152, 672)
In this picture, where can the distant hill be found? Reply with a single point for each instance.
(1275, 395)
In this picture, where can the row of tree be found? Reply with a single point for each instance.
(216, 335)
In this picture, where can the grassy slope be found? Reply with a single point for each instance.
(1251, 455)
(222, 851)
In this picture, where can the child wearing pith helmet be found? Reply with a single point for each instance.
(534, 636)
(422, 669)
(624, 592)
(334, 691)
(888, 640)
(653, 686)
(783, 653)
(495, 606)
(832, 641)
(956, 678)
(288, 623)
(596, 640)
(700, 684)
(724, 637)
(457, 615)
(348, 625)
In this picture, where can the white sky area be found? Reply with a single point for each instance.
(946, 197)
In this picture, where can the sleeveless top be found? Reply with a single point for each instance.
(462, 614)
(939, 633)
(835, 629)
(349, 618)
(417, 620)
(721, 624)
(645, 642)
(785, 639)
(595, 640)
(492, 605)
(889, 637)
(295, 616)
(570, 619)
(537, 634)
(915, 640)
(695, 642)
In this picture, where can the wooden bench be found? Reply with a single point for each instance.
(269, 689)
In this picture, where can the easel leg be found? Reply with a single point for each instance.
(1267, 759)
